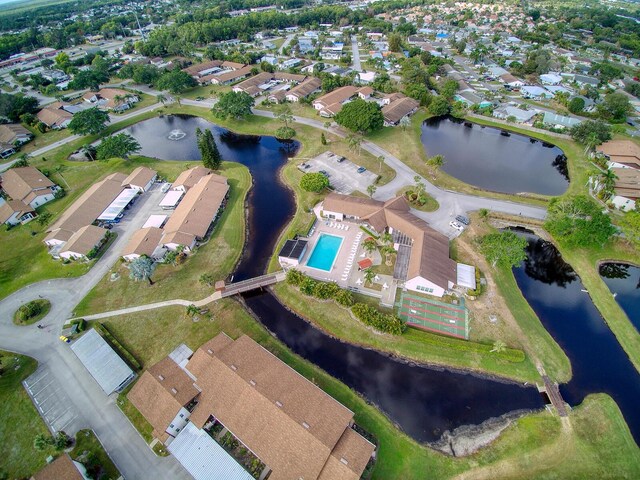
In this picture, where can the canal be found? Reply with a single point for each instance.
(423, 401)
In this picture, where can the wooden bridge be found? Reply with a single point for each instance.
(251, 284)
(553, 392)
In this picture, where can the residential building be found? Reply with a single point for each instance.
(55, 116)
(145, 241)
(189, 178)
(520, 115)
(28, 185)
(559, 121)
(141, 179)
(197, 211)
(331, 103)
(621, 153)
(113, 99)
(82, 242)
(398, 109)
(586, 80)
(511, 81)
(304, 89)
(626, 188)
(61, 468)
(13, 212)
(14, 134)
(287, 422)
(255, 85)
(292, 252)
(550, 79)
(429, 267)
(230, 76)
(535, 93)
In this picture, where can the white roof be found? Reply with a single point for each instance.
(104, 365)
(466, 276)
(534, 90)
(155, 221)
(203, 458)
(118, 205)
(172, 198)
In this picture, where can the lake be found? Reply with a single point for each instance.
(624, 282)
(496, 160)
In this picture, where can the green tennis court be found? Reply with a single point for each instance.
(434, 316)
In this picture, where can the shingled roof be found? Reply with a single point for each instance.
(430, 250)
(18, 183)
(622, 151)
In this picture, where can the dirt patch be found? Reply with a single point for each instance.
(468, 439)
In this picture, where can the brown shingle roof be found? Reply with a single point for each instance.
(84, 240)
(398, 109)
(196, 69)
(622, 151)
(289, 77)
(8, 208)
(62, 468)
(153, 395)
(232, 75)
(53, 115)
(143, 242)
(256, 80)
(90, 204)
(189, 178)
(199, 206)
(339, 95)
(9, 132)
(139, 177)
(241, 384)
(430, 249)
(349, 457)
(306, 88)
(628, 182)
(20, 182)
(179, 238)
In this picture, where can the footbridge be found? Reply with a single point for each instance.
(250, 284)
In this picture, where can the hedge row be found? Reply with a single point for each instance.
(380, 321)
(321, 290)
(102, 330)
(330, 290)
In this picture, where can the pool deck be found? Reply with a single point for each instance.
(345, 270)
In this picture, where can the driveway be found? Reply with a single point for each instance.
(355, 54)
(60, 367)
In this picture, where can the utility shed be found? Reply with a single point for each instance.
(104, 365)
(203, 458)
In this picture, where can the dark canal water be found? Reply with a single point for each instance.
(599, 363)
(423, 401)
(486, 158)
(624, 281)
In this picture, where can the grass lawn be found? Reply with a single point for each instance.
(43, 306)
(206, 91)
(20, 421)
(522, 451)
(413, 344)
(145, 101)
(87, 444)
(431, 204)
(217, 257)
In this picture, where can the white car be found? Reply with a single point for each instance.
(456, 225)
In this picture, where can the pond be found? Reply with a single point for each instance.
(496, 160)
(423, 401)
(624, 282)
(599, 363)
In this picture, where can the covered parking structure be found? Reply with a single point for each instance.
(102, 362)
(114, 211)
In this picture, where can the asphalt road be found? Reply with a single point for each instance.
(355, 54)
(59, 366)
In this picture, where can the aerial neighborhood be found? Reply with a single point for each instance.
(319, 240)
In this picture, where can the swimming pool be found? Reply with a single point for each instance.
(325, 252)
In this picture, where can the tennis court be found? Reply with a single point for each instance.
(434, 316)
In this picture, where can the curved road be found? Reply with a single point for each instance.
(93, 409)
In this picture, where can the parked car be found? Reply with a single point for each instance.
(340, 159)
(362, 170)
(199, 99)
(324, 173)
(462, 219)
(456, 225)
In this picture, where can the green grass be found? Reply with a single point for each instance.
(414, 344)
(20, 421)
(217, 257)
(522, 451)
(45, 306)
(431, 204)
(87, 442)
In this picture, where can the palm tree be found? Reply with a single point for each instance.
(89, 151)
(591, 142)
(285, 115)
(192, 310)
(435, 162)
(405, 122)
(369, 245)
(381, 160)
(386, 238)
(387, 251)
(369, 275)
(371, 189)
(119, 99)
(161, 98)
(354, 142)
(498, 346)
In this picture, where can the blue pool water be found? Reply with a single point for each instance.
(325, 252)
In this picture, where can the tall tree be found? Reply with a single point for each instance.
(141, 269)
(361, 116)
(209, 152)
(89, 122)
(505, 249)
(121, 145)
(234, 105)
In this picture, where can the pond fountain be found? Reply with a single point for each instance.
(176, 134)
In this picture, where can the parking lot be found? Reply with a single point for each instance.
(343, 175)
(51, 400)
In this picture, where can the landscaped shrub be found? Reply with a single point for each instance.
(317, 289)
(344, 298)
(295, 277)
(378, 320)
(308, 286)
